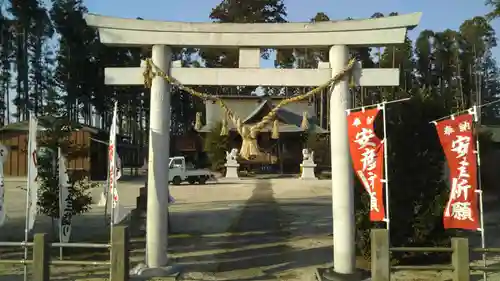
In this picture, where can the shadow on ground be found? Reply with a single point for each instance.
(261, 238)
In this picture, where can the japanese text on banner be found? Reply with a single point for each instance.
(367, 153)
(457, 140)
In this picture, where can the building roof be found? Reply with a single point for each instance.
(24, 125)
(289, 117)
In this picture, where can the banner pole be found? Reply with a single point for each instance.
(106, 194)
(27, 215)
(480, 192)
(377, 104)
(386, 170)
(465, 110)
(111, 224)
(28, 199)
(55, 165)
(112, 177)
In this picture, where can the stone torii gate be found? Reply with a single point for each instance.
(249, 39)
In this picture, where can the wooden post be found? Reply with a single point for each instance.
(381, 268)
(460, 259)
(41, 257)
(120, 254)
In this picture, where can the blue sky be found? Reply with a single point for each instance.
(437, 14)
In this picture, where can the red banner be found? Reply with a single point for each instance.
(367, 153)
(457, 141)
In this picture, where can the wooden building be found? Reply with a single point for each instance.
(283, 154)
(189, 145)
(92, 141)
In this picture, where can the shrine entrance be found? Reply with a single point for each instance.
(160, 73)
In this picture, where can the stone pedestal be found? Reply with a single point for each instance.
(232, 164)
(232, 170)
(308, 171)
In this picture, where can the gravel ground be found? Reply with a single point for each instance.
(247, 230)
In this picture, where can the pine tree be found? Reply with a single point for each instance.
(77, 72)
(6, 53)
(26, 14)
(240, 11)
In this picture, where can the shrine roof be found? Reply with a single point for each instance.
(264, 108)
(283, 128)
(251, 109)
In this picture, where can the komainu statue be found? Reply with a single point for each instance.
(232, 156)
(307, 156)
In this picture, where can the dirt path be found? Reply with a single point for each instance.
(261, 226)
(254, 229)
(247, 230)
(277, 235)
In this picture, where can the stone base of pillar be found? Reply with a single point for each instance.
(232, 171)
(328, 274)
(138, 215)
(308, 171)
(142, 200)
(169, 272)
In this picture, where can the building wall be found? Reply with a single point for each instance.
(17, 143)
(82, 162)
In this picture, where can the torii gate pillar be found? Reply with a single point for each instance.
(342, 183)
(158, 162)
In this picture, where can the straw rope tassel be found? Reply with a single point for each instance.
(197, 123)
(224, 131)
(276, 130)
(305, 121)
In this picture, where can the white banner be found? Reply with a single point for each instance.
(3, 214)
(116, 210)
(32, 184)
(105, 193)
(65, 201)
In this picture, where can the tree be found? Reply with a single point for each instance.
(184, 106)
(57, 135)
(216, 147)
(495, 4)
(41, 61)
(77, 71)
(6, 53)
(31, 29)
(417, 188)
(444, 71)
(240, 11)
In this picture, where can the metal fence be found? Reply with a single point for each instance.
(119, 249)
(460, 262)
